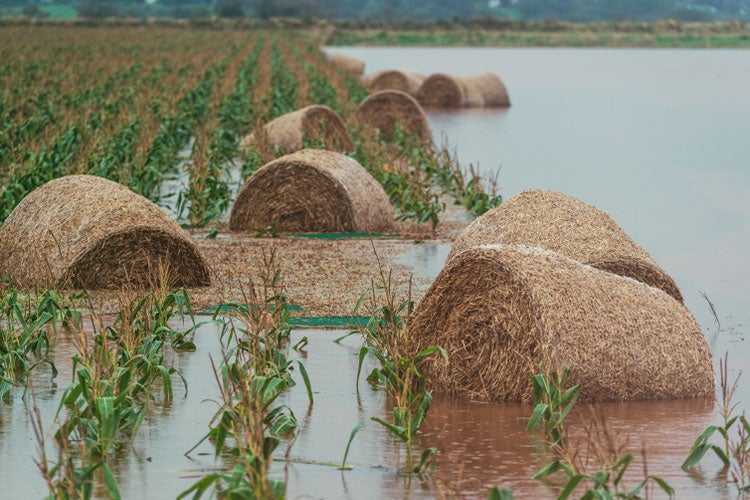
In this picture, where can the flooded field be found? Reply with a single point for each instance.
(658, 139)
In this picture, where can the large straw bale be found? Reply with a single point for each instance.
(92, 233)
(354, 66)
(393, 79)
(450, 92)
(313, 191)
(389, 108)
(442, 91)
(570, 227)
(315, 122)
(499, 309)
(492, 89)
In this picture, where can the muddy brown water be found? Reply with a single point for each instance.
(656, 138)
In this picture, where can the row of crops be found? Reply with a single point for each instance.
(163, 111)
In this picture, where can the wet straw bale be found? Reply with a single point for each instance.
(313, 191)
(315, 123)
(392, 79)
(449, 92)
(387, 109)
(492, 89)
(91, 233)
(353, 66)
(570, 227)
(499, 309)
(442, 91)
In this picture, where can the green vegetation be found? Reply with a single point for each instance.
(553, 401)
(572, 36)
(253, 373)
(165, 111)
(398, 373)
(734, 450)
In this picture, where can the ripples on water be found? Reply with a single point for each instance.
(657, 138)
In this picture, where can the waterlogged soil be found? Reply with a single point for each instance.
(480, 445)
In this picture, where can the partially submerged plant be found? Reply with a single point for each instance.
(253, 373)
(24, 338)
(604, 478)
(734, 451)
(398, 372)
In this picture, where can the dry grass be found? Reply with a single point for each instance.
(312, 123)
(313, 191)
(387, 110)
(569, 227)
(89, 232)
(499, 309)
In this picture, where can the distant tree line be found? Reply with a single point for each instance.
(417, 10)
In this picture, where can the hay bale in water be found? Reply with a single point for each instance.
(313, 191)
(92, 233)
(353, 66)
(448, 92)
(315, 123)
(389, 108)
(570, 227)
(393, 79)
(491, 88)
(499, 309)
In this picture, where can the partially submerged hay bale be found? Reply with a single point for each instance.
(314, 123)
(499, 309)
(92, 233)
(492, 89)
(313, 191)
(448, 92)
(393, 79)
(570, 227)
(353, 66)
(445, 91)
(389, 108)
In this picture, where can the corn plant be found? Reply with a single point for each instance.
(253, 373)
(733, 451)
(24, 340)
(553, 402)
(398, 372)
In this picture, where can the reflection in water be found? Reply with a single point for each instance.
(481, 445)
(656, 138)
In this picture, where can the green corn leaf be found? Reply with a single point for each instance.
(306, 379)
(354, 432)
(537, 415)
(498, 493)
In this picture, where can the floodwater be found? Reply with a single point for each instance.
(657, 138)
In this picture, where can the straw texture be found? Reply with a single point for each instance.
(92, 233)
(570, 227)
(392, 79)
(499, 309)
(353, 66)
(312, 191)
(450, 92)
(315, 122)
(442, 91)
(386, 109)
(491, 88)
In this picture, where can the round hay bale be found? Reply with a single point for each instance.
(353, 66)
(491, 88)
(569, 227)
(91, 233)
(388, 108)
(442, 91)
(315, 122)
(393, 79)
(313, 191)
(499, 309)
